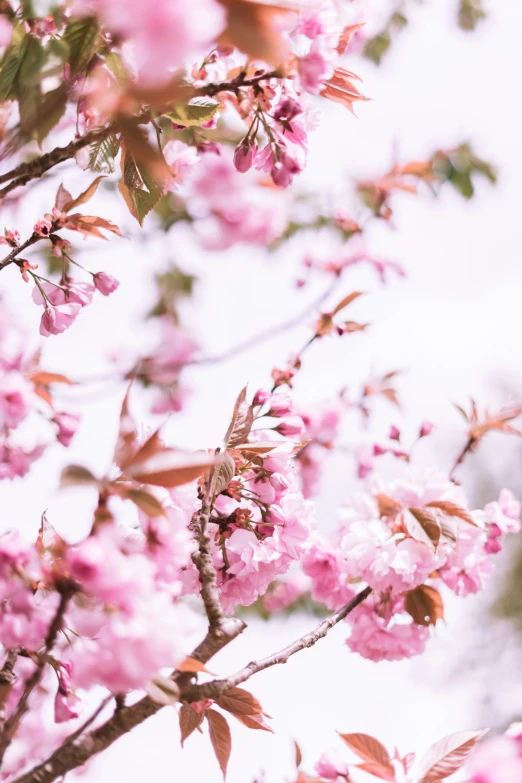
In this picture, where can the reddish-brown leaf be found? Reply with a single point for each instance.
(126, 444)
(83, 197)
(253, 722)
(152, 446)
(76, 475)
(145, 501)
(368, 749)
(452, 510)
(298, 755)
(255, 28)
(90, 225)
(388, 507)
(429, 522)
(447, 756)
(189, 721)
(220, 738)
(241, 421)
(346, 301)
(62, 198)
(339, 88)
(346, 35)
(424, 605)
(170, 468)
(46, 378)
(239, 702)
(192, 665)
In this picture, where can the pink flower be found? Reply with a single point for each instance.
(105, 283)
(15, 395)
(314, 68)
(11, 236)
(162, 40)
(331, 766)
(43, 228)
(67, 424)
(374, 638)
(286, 592)
(260, 397)
(180, 158)
(290, 426)
(426, 428)
(66, 707)
(281, 405)
(56, 320)
(498, 760)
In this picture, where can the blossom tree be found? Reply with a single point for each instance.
(201, 114)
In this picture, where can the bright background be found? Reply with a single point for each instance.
(452, 326)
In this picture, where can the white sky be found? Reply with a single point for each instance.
(456, 322)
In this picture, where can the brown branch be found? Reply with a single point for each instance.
(25, 172)
(204, 561)
(470, 443)
(212, 690)
(7, 678)
(17, 250)
(21, 708)
(233, 85)
(74, 753)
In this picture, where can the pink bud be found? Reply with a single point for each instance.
(244, 155)
(426, 428)
(275, 516)
(67, 424)
(291, 426)
(42, 228)
(395, 433)
(279, 482)
(330, 766)
(281, 405)
(280, 175)
(260, 397)
(105, 284)
(378, 450)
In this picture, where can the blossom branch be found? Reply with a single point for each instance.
(21, 708)
(213, 689)
(11, 257)
(25, 172)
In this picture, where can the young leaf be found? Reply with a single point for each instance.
(149, 504)
(80, 36)
(103, 154)
(46, 378)
(241, 422)
(429, 522)
(189, 721)
(298, 755)
(415, 528)
(191, 665)
(447, 756)
(425, 605)
(220, 738)
(239, 702)
(139, 189)
(452, 510)
(194, 113)
(224, 473)
(346, 301)
(51, 111)
(9, 68)
(171, 468)
(388, 507)
(253, 722)
(83, 197)
(76, 475)
(369, 750)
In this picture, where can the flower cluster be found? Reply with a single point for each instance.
(499, 759)
(405, 540)
(115, 597)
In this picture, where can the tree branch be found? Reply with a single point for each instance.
(25, 172)
(17, 250)
(212, 690)
(21, 708)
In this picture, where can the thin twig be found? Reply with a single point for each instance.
(69, 756)
(11, 257)
(213, 689)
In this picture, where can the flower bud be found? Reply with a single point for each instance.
(244, 155)
(426, 428)
(261, 396)
(105, 284)
(279, 482)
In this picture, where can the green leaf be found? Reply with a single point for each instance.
(140, 191)
(81, 37)
(51, 111)
(103, 154)
(9, 68)
(194, 113)
(29, 85)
